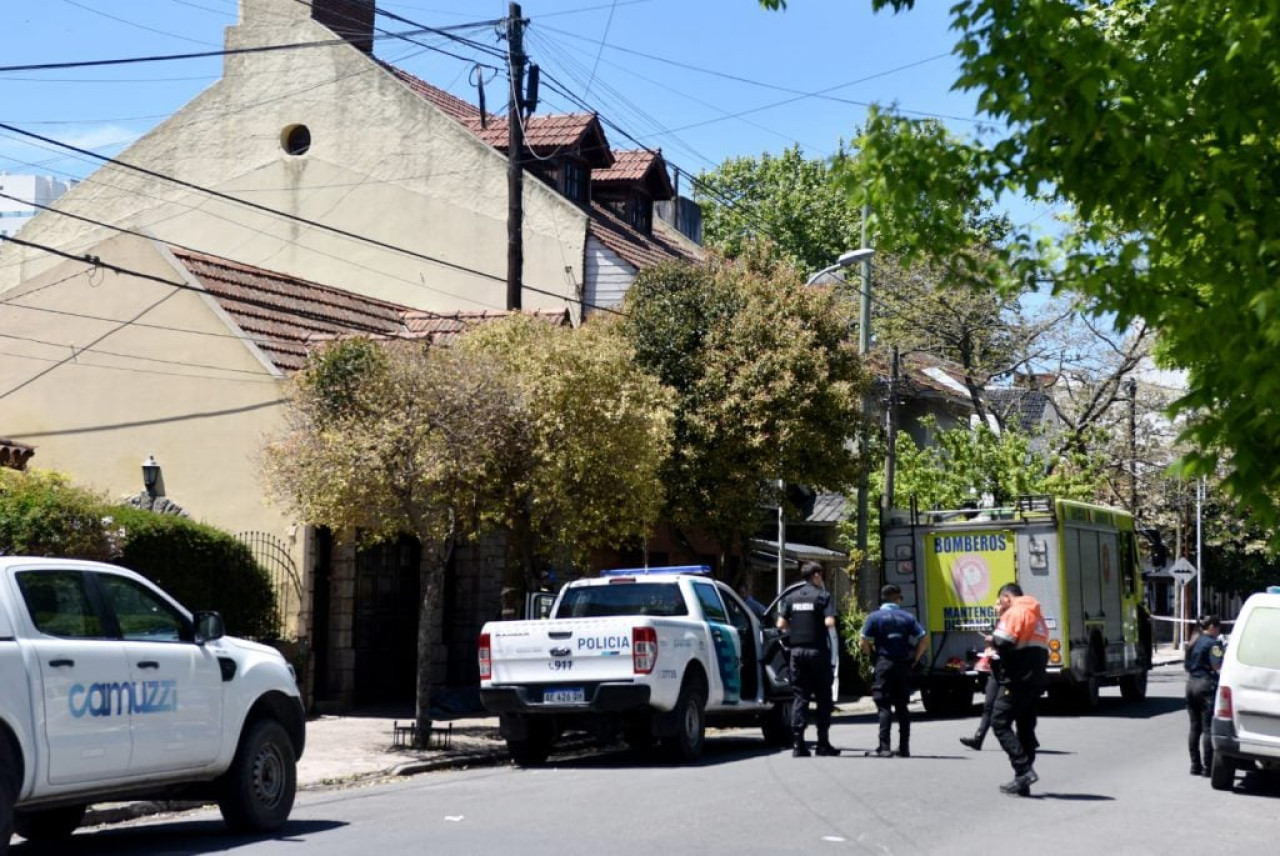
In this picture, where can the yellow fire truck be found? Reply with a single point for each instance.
(1079, 560)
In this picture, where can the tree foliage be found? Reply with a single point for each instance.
(598, 430)
(552, 435)
(980, 464)
(767, 386)
(397, 438)
(1154, 122)
(792, 199)
(43, 514)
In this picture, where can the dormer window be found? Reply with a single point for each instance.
(640, 213)
(574, 181)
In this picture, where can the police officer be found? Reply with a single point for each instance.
(898, 642)
(1203, 662)
(807, 614)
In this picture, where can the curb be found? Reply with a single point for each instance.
(109, 813)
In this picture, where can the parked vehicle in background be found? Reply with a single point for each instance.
(112, 690)
(650, 654)
(1246, 718)
(1079, 560)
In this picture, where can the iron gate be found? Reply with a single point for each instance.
(274, 556)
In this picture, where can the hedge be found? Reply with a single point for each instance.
(43, 514)
(202, 567)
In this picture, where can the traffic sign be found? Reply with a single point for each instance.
(1183, 571)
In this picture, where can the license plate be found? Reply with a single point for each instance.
(573, 695)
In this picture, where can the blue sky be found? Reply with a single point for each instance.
(705, 80)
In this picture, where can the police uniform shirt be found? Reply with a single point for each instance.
(1205, 657)
(895, 632)
(806, 611)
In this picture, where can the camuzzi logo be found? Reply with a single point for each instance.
(123, 697)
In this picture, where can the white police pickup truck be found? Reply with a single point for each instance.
(111, 690)
(650, 653)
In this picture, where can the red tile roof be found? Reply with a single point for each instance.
(631, 245)
(636, 166)
(451, 105)
(443, 328)
(628, 166)
(545, 134)
(282, 314)
(286, 316)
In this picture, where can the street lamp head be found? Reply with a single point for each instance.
(850, 257)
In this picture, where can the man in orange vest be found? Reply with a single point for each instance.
(1021, 638)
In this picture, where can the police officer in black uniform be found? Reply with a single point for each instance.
(806, 614)
(1203, 661)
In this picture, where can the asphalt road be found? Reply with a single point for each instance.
(1112, 783)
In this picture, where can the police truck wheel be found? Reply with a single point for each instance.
(50, 824)
(691, 723)
(1134, 687)
(257, 791)
(8, 790)
(1222, 775)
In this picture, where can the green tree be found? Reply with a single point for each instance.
(794, 200)
(1153, 122)
(551, 435)
(394, 439)
(968, 465)
(599, 430)
(767, 386)
(43, 514)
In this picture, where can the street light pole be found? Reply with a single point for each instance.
(864, 348)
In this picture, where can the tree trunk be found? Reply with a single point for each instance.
(434, 564)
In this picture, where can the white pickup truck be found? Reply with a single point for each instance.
(648, 653)
(113, 691)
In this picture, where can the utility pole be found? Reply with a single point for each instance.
(891, 437)
(1133, 446)
(515, 149)
(869, 586)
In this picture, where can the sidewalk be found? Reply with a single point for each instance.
(344, 750)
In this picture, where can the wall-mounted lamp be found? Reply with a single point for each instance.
(150, 474)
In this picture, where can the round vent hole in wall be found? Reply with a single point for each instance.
(296, 139)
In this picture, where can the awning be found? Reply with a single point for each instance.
(764, 554)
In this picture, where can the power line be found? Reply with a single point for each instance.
(821, 94)
(88, 8)
(323, 43)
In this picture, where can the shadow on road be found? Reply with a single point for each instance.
(1256, 783)
(1071, 797)
(167, 839)
(717, 750)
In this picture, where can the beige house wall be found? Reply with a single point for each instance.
(383, 163)
(101, 369)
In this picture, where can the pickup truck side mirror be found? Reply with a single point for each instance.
(209, 627)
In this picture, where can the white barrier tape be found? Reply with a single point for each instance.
(1172, 620)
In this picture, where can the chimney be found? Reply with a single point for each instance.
(350, 19)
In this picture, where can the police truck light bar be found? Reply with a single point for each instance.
(701, 570)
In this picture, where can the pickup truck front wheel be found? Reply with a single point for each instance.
(691, 722)
(8, 790)
(50, 824)
(257, 791)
